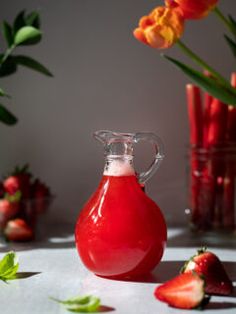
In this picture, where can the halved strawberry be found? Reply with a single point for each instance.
(207, 264)
(186, 291)
(18, 230)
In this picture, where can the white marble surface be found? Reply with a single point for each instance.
(54, 269)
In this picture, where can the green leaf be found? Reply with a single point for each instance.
(6, 116)
(8, 266)
(27, 35)
(32, 64)
(13, 198)
(224, 93)
(231, 43)
(19, 21)
(33, 19)
(3, 94)
(81, 304)
(233, 23)
(7, 33)
(8, 67)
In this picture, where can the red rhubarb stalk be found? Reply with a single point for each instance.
(229, 180)
(231, 122)
(217, 123)
(195, 114)
(229, 199)
(206, 113)
(216, 139)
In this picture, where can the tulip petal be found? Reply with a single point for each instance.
(139, 35)
(161, 28)
(192, 9)
(145, 22)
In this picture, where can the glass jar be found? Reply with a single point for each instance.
(212, 188)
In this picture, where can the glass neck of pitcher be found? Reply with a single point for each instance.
(119, 159)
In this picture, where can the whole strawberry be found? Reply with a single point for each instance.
(208, 265)
(40, 193)
(12, 184)
(18, 230)
(24, 179)
(19, 180)
(186, 291)
(8, 210)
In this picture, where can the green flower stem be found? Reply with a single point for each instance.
(227, 23)
(202, 63)
(7, 54)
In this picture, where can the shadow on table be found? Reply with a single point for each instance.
(163, 272)
(187, 238)
(24, 275)
(170, 269)
(51, 234)
(104, 308)
(220, 305)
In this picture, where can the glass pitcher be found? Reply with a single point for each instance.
(121, 232)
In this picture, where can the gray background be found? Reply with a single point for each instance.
(104, 79)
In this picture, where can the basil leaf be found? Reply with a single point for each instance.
(19, 21)
(7, 33)
(8, 67)
(27, 35)
(225, 93)
(6, 116)
(8, 266)
(32, 64)
(81, 304)
(33, 19)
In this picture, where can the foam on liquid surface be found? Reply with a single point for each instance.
(119, 168)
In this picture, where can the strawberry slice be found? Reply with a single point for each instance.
(208, 265)
(18, 230)
(186, 291)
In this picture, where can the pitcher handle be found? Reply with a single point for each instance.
(159, 154)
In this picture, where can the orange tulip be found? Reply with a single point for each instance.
(192, 9)
(161, 28)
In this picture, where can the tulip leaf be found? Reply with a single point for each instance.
(233, 23)
(231, 43)
(225, 93)
(8, 67)
(32, 64)
(6, 116)
(7, 33)
(19, 21)
(33, 19)
(27, 35)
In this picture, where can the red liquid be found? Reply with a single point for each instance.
(120, 231)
